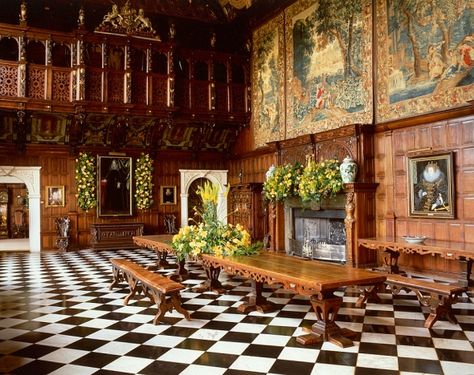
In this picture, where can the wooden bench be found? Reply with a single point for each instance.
(160, 289)
(439, 297)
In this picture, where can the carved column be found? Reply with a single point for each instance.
(149, 77)
(21, 131)
(171, 81)
(128, 76)
(81, 71)
(21, 67)
(349, 224)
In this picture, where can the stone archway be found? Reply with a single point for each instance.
(218, 177)
(30, 176)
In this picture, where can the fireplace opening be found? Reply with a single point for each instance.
(319, 234)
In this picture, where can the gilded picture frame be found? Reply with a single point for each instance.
(431, 186)
(114, 186)
(168, 195)
(54, 196)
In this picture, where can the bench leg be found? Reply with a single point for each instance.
(441, 306)
(117, 275)
(176, 302)
(134, 288)
(165, 304)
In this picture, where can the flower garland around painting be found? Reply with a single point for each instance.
(211, 236)
(86, 181)
(143, 182)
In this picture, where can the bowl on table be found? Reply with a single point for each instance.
(414, 239)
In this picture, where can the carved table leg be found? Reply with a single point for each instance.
(212, 284)
(182, 273)
(391, 261)
(257, 301)
(369, 293)
(326, 306)
(465, 277)
(162, 263)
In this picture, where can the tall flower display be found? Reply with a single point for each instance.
(143, 182)
(86, 181)
(211, 236)
(319, 180)
(282, 182)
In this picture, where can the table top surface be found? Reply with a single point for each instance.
(312, 274)
(399, 242)
(161, 242)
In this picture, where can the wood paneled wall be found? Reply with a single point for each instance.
(392, 148)
(58, 168)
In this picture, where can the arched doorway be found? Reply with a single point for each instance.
(30, 176)
(188, 176)
(194, 200)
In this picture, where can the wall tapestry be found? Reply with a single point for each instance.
(425, 56)
(329, 65)
(267, 82)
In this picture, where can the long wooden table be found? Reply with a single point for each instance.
(319, 280)
(161, 244)
(394, 246)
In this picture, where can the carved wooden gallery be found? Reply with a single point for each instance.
(236, 186)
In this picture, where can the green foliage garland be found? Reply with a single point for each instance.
(319, 180)
(282, 182)
(143, 182)
(86, 181)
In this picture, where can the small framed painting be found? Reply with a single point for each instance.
(431, 186)
(54, 196)
(168, 194)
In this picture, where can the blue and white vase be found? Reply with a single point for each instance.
(348, 170)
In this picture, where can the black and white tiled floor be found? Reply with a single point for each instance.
(58, 316)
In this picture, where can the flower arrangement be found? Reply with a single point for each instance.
(319, 180)
(86, 181)
(143, 182)
(282, 182)
(211, 236)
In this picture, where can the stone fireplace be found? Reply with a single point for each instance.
(317, 232)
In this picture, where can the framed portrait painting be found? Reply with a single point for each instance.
(114, 186)
(431, 187)
(54, 196)
(168, 194)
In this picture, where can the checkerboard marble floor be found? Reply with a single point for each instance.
(58, 316)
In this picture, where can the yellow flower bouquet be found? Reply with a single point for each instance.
(319, 180)
(282, 182)
(211, 236)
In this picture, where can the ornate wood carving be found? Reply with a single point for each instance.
(9, 80)
(114, 235)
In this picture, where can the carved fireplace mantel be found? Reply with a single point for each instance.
(357, 200)
(334, 226)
